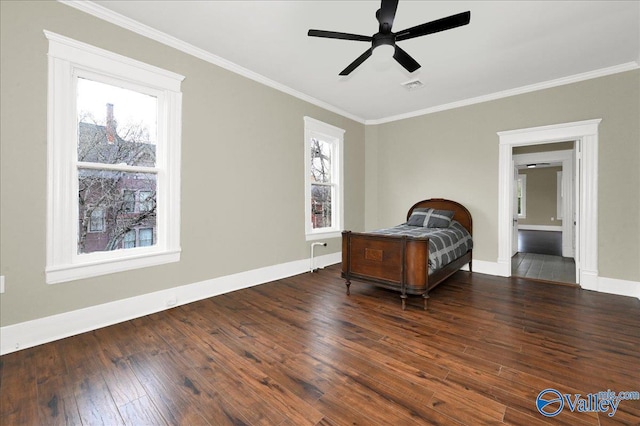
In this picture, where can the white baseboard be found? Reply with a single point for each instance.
(502, 267)
(484, 267)
(540, 228)
(589, 279)
(43, 330)
(620, 287)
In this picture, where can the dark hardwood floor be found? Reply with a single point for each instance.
(299, 351)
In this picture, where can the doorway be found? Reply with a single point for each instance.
(585, 133)
(544, 221)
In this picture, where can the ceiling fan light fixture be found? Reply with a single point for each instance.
(384, 51)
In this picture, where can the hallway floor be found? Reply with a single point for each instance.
(540, 257)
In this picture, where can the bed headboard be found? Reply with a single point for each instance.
(462, 215)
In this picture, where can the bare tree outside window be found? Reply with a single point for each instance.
(321, 184)
(116, 165)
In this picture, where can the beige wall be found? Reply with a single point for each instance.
(541, 196)
(242, 168)
(454, 154)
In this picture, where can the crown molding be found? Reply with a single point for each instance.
(629, 66)
(132, 25)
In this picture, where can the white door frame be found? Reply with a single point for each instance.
(585, 133)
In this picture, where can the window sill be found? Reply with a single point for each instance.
(321, 235)
(60, 274)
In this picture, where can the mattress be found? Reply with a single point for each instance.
(445, 244)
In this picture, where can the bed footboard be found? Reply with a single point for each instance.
(394, 262)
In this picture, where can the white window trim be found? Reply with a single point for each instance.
(69, 59)
(334, 135)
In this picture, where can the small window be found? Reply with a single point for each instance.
(322, 185)
(129, 239)
(129, 203)
(559, 196)
(147, 201)
(522, 196)
(145, 237)
(323, 179)
(96, 221)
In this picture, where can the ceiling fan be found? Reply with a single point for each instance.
(385, 36)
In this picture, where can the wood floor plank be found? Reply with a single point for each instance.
(95, 404)
(512, 394)
(301, 351)
(57, 401)
(274, 394)
(340, 412)
(141, 412)
(18, 391)
(271, 391)
(233, 390)
(359, 396)
(179, 393)
(516, 418)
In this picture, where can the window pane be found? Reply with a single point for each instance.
(146, 201)
(108, 191)
(116, 125)
(129, 239)
(96, 221)
(129, 201)
(321, 206)
(146, 237)
(320, 161)
(520, 193)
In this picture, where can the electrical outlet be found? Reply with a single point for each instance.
(1, 284)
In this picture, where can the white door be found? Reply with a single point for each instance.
(576, 204)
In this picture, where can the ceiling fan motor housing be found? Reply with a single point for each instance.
(379, 39)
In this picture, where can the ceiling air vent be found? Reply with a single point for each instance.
(412, 84)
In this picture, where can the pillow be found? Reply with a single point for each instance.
(430, 218)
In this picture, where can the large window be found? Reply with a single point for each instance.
(116, 159)
(114, 162)
(323, 179)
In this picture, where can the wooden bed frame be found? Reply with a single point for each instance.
(400, 262)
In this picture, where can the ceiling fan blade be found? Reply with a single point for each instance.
(355, 64)
(386, 14)
(341, 36)
(405, 59)
(438, 25)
